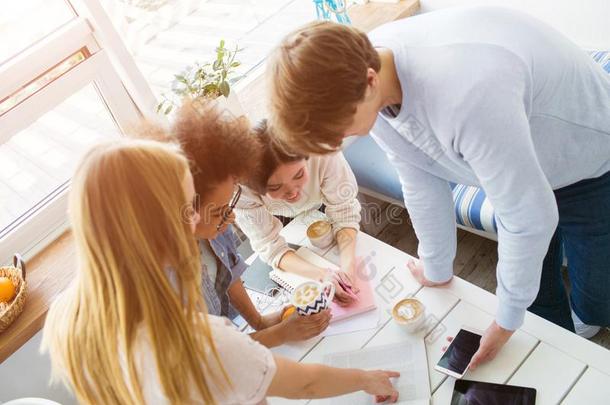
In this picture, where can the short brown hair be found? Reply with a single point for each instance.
(218, 144)
(272, 155)
(317, 76)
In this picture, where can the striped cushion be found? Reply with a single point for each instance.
(603, 58)
(472, 208)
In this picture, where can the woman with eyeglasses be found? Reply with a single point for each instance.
(132, 328)
(287, 184)
(222, 152)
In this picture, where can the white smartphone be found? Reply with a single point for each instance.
(456, 359)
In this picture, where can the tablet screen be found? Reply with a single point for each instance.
(460, 351)
(467, 392)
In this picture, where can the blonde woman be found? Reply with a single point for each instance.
(132, 327)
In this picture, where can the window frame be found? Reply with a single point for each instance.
(108, 66)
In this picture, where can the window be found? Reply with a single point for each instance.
(24, 22)
(165, 36)
(74, 72)
(66, 82)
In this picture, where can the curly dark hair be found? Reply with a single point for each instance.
(218, 144)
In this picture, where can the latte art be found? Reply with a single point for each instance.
(318, 229)
(306, 294)
(407, 310)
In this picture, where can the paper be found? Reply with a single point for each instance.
(368, 320)
(408, 358)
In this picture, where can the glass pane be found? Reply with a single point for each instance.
(166, 36)
(24, 22)
(41, 81)
(40, 160)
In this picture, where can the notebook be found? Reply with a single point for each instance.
(366, 297)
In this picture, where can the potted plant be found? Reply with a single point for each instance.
(209, 80)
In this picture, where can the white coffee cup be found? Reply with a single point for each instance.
(320, 234)
(312, 297)
(409, 314)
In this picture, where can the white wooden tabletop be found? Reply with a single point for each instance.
(563, 367)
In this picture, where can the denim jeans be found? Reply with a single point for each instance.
(583, 234)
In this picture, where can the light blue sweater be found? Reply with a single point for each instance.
(497, 99)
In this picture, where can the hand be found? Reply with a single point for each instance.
(348, 277)
(266, 321)
(378, 383)
(492, 341)
(417, 270)
(297, 327)
(342, 297)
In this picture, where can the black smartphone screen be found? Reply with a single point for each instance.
(467, 392)
(460, 351)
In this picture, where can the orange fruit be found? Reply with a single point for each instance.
(288, 311)
(7, 289)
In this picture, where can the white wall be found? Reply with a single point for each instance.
(26, 374)
(586, 22)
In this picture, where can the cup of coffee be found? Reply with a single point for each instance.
(409, 313)
(312, 297)
(320, 234)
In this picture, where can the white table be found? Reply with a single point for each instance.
(563, 367)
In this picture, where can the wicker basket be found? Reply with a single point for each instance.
(9, 312)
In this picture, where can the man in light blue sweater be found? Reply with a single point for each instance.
(480, 96)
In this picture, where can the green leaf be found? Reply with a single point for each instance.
(168, 109)
(235, 64)
(211, 88)
(222, 44)
(217, 65)
(180, 78)
(224, 88)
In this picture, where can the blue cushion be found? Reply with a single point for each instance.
(372, 169)
(472, 208)
(603, 58)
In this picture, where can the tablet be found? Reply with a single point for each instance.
(467, 392)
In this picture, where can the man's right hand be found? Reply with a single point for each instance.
(297, 327)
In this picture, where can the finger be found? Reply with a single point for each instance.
(345, 278)
(477, 359)
(392, 374)
(394, 396)
(380, 399)
(444, 349)
(449, 338)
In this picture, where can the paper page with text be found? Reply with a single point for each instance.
(408, 358)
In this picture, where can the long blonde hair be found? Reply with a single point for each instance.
(126, 207)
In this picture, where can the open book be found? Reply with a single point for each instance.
(408, 358)
(366, 298)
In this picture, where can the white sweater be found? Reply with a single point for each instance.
(331, 182)
(497, 99)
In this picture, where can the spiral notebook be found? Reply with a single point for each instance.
(289, 281)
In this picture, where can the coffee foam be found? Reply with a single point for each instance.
(407, 310)
(318, 229)
(306, 294)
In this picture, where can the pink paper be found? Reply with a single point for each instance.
(365, 303)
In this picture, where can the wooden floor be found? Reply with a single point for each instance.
(476, 256)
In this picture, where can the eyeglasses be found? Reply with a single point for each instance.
(230, 208)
